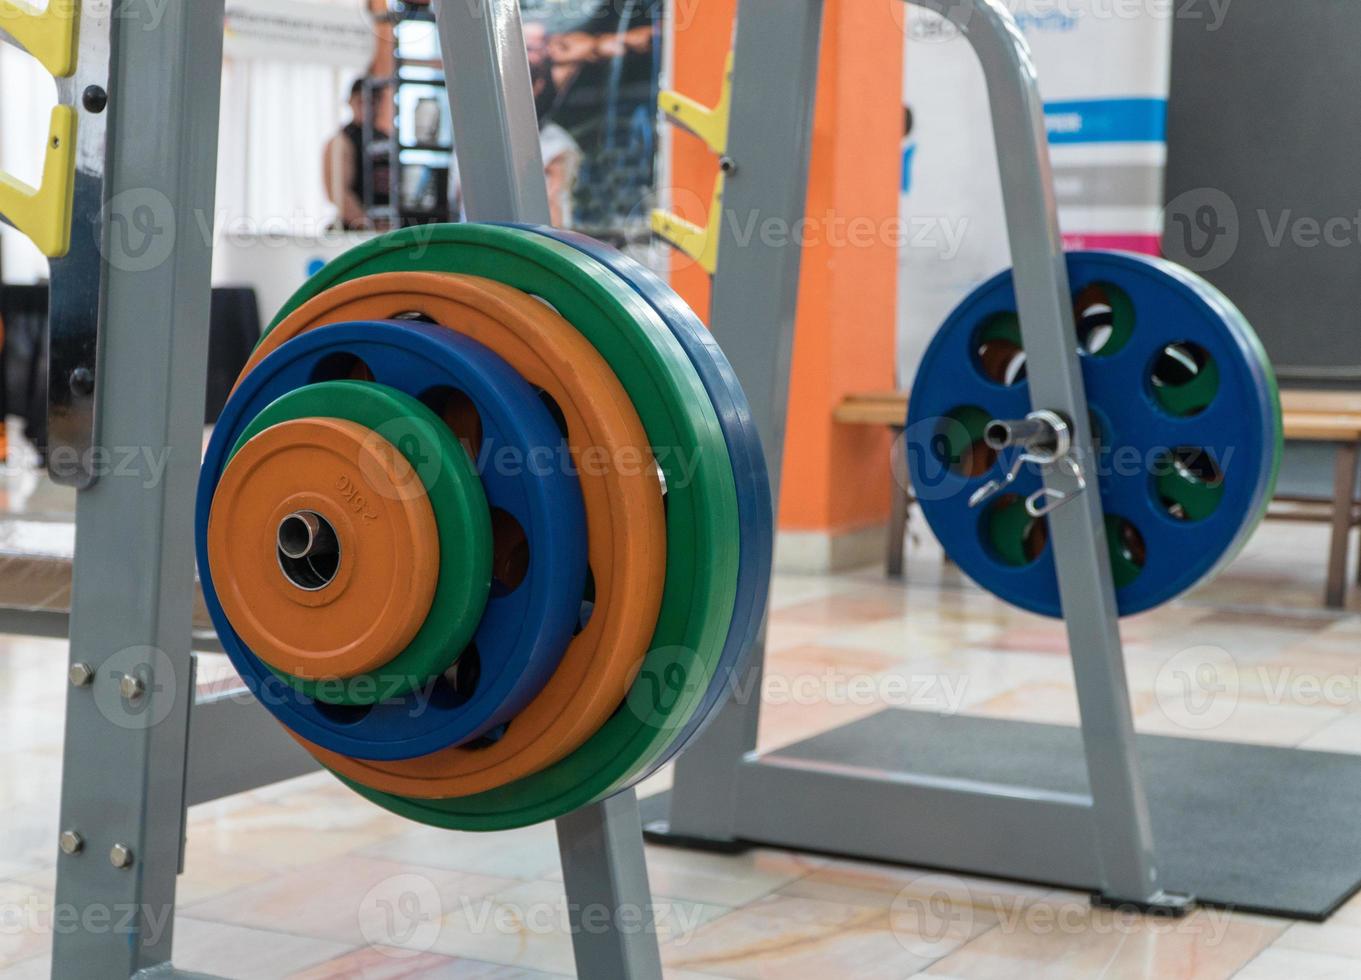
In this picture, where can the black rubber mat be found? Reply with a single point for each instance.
(1267, 830)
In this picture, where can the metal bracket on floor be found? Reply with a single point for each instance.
(658, 832)
(1162, 905)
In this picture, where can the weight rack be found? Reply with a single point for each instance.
(996, 829)
(126, 786)
(129, 334)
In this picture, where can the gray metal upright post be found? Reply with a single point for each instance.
(122, 814)
(496, 135)
(605, 873)
(1077, 529)
(496, 126)
(770, 136)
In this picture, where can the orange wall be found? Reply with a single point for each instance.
(836, 478)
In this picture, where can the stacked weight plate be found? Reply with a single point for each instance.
(1185, 414)
(486, 523)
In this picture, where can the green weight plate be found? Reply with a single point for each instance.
(1189, 482)
(1016, 537)
(1191, 385)
(1000, 352)
(461, 514)
(1126, 551)
(1004, 326)
(1105, 319)
(1267, 492)
(702, 531)
(962, 430)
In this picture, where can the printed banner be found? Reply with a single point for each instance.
(597, 68)
(1104, 71)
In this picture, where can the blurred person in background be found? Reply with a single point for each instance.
(343, 167)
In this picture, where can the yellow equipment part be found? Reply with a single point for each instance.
(44, 213)
(49, 35)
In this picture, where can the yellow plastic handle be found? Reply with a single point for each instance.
(710, 125)
(44, 213)
(49, 35)
(700, 244)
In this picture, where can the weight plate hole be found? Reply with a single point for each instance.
(1011, 534)
(509, 552)
(1185, 379)
(489, 739)
(1105, 319)
(308, 550)
(1128, 552)
(587, 602)
(459, 683)
(555, 410)
(461, 416)
(958, 441)
(1189, 483)
(546, 303)
(341, 366)
(1001, 357)
(343, 714)
(414, 316)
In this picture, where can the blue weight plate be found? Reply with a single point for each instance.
(1186, 411)
(524, 630)
(755, 509)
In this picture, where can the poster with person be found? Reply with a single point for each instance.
(596, 66)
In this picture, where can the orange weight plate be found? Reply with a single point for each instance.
(325, 561)
(625, 521)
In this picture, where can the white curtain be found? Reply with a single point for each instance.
(27, 95)
(276, 119)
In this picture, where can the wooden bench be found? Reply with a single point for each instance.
(1309, 416)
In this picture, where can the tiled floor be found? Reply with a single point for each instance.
(304, 879)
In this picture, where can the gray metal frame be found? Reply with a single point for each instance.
(1000, 830)
(139, 747)
(123, 778)
(755, 300)
(492, 101)
(133, 762)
